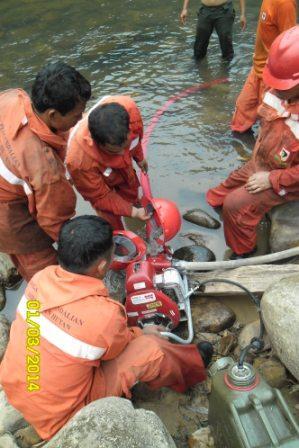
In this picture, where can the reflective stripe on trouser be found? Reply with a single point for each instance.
(247, 103)
(30, 264)
(152, 360)
(242, 211)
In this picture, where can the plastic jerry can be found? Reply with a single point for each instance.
(245, 412)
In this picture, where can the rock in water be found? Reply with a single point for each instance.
(201, 218)
(112, 423)
(194, 253)
(280, 311)
(197, 238)
(4, 334)
(284, 226)
(211, 316)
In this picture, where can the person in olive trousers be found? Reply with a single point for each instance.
(218, 14)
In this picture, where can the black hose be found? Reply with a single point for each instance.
(256, 343)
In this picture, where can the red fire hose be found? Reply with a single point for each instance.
(144, 179)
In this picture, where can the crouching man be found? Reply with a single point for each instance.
(70, 343)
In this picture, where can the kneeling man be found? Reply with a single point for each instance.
(70, 343)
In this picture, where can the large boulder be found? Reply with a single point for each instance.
(280, 311)
(4, 334)
(284, 226)
(112, 423)
(10, 419)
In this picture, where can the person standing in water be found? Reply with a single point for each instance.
(218, 15)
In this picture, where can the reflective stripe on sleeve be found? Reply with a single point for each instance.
(59, 338)
(11, 178)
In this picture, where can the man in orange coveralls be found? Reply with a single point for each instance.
(271, 177)
(275, 17)
(35, 196)
(100, 156)
(83, 349)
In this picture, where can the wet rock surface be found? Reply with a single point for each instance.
(284, 232)
(272, 371)
(112, 423)
(4, 334)
(211, 316)
(194, 253)
(280, 313)
(201, 218)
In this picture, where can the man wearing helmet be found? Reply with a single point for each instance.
(100, 155)
(275, 17)
(271, 177)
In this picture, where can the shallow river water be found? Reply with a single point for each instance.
(139, 48)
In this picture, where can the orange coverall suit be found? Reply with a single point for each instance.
(275, 17)
(109, 182)
(35, 196)
(277, 151)
(85, 351)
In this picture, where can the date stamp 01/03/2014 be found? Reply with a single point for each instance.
(32, 344)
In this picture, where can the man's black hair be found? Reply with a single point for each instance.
(82, 241)
(109, 123)
(59, 86)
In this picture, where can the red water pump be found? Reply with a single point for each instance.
(156, 292)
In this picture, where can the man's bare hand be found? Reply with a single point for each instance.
(140, 213)
(258, 182)
(143, 165)
(154, 330)
(243, 22)
(183, 16)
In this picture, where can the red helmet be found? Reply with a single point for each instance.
(282, 68)
(169, 217)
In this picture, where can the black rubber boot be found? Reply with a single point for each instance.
(235, 256)
(206, 351)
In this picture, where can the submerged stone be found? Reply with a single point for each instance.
(194, 253)
(201, 218)
(272, 371)
(197, 238)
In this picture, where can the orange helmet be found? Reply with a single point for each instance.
(169, 217)
(282, 68)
